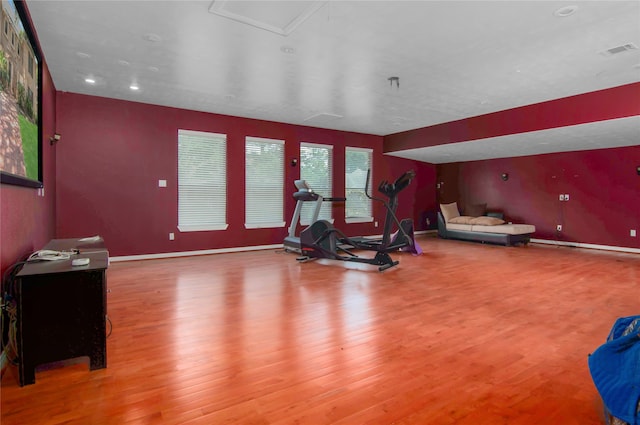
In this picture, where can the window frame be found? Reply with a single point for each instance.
(304, 220)
(356, 219)
(218, 137)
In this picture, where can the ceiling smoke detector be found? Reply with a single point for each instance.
(288, 50)
(565, 11)
(152, 37)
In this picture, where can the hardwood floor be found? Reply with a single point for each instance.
(464, 334)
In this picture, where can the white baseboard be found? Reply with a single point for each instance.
(279, 246)
(425, 232)
(192, 253)
(587, 245)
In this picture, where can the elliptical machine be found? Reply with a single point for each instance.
(322, 240)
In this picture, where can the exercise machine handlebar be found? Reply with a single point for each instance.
(391, 190)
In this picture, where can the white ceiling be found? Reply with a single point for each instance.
(454, 59)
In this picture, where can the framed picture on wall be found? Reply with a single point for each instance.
(20, 98)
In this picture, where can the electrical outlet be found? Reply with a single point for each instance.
(562, 197)
(559, 227)
(566, 196)
(375, 224)
(172, 236)
(632, 233)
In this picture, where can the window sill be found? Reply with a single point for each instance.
(358, 220)
(203, 228)
(264, 225)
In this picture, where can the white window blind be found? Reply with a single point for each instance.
(316, 168)
(358, 207)
(202, 181)
(264, 183)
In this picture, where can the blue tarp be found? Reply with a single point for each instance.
(615, 369)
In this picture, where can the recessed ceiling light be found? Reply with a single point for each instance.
(123, 62)
(89, 81)
(565, 11)
(154, 38)
(134, 87)
(153, 69)
(288, 50)
(83, 55)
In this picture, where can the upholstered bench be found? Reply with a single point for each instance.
(485, 228)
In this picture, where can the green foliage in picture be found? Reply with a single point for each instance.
(29, 135)
(4, 71)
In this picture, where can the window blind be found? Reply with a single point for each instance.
(358, 207)
(264, 183)
(202, 181)
(316, 168)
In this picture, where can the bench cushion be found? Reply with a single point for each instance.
(509, 229)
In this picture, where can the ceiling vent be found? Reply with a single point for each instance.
(619, 49)
(281, 17)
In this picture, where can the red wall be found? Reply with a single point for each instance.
(28, 220)
(603, 188)
(114, 152)
(418, 200)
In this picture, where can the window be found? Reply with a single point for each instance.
(359, 206)
(316, 168)
(264, 183)
(202, 181)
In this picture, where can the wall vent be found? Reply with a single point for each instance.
(619, 49)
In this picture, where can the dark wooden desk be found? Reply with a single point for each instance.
(62, 308)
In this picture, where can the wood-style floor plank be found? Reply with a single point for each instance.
(464, 334)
